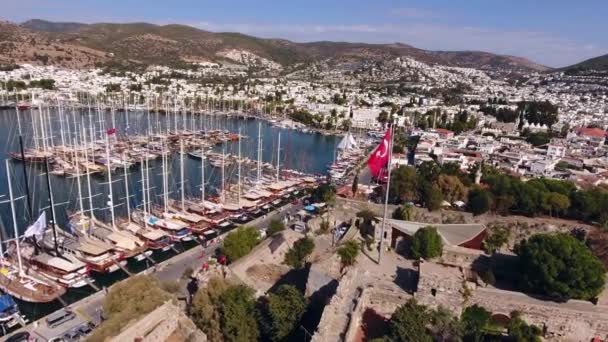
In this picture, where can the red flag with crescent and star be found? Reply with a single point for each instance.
(379, 158)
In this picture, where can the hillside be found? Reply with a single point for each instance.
(170, 44)
(596, 64)
(21, 45)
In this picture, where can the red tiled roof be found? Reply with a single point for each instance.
(591, 132)
(443, 130)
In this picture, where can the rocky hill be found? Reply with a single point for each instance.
(21, 45)
(172, 44)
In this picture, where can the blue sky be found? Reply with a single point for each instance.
(550, 32)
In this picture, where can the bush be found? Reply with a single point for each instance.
(275, 226)
(324, 193)
(225, 312)
(560, 266)
(323, 227)
(427, 243)
(519, 330)
(404, 212)
(282, 312)
(297, 254)
(170, 286)
(127, 301)
(409, 322)
(497, 238)
(474, 320)
(348, 252)
(479, 201)
(187, 273)
(240, 242)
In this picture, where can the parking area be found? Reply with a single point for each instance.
(67, 331)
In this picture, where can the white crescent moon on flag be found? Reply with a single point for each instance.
(384, 150)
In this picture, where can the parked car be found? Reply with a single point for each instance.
(72, 334)
(57, 339)
(23, 336)
(86, 328)
(59, 317)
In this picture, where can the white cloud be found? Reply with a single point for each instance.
(540, 47)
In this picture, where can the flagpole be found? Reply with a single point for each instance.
(388, 185)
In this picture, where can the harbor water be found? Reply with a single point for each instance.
(310, 153)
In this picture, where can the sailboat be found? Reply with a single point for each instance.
(65, 270)
(156, 217)
(154, 238)
(25, 284)
(90, 228)
(179, 211)
(59, 243)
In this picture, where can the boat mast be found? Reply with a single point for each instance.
(16, 232)
(259, 153)
(239, 165)
(164, 172)
(86, 157)
(147, 188)
(124, 156)
(21, 150)
(61, 127)
(203, 176)
(278, 156)
(109, 170)
(223, 195)
(181, 159)
(143, 192)
(77, 167)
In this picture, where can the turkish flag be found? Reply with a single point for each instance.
(111, 131)
(379, 158)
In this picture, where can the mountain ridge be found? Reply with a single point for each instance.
(165, 44)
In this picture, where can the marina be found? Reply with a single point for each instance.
(119, 191)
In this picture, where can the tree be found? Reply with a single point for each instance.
(408, 323)
(126, 301)
(348, 252)
(558, 202)
(520, 331)
(479, 201)
(474, 319)
(444, 326)
(559, 266)
(368, 218)
(355, 185)
(238, 314)
(429, 171)
(282, 312)
(324, 193)
(346, 125)
(404, 212)
(403, 184)
(206, 305)
(275, 226)
(452, 188)
(240, 242)
(427, 243)
(297, 254)
(383, 117)
(497, 238)
(432, 198)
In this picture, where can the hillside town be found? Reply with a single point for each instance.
(457, 204)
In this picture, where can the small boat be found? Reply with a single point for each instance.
(9, 313)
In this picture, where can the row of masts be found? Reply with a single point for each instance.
(85, 136)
